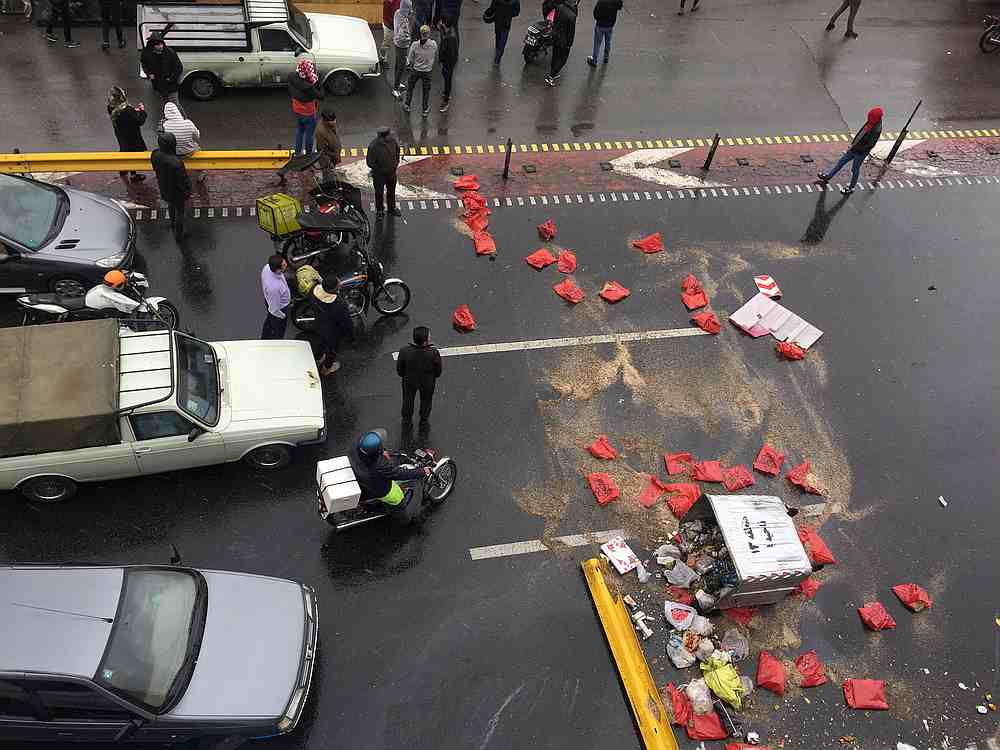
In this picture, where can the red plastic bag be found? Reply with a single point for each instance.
(569, 291)
(682, 496)
(484, 243)
(601, 448)
(473, 201)
(913, 596)
(693, 296)
(706, 727)
(707, 321)
(808, 588)
(567, 261)
(681, 705)
(603, 486)
(477, 220)
(463, 320)
(467, 182)
(742, 615)
(802, 476)
(769, 461)
(651, 244)
(737, 477)
(614, 292)
(873, 614)
(789, 350)
(679, 595)
(816, 548)
(547, 230)
(770, 674)
(707, 471)
(744, 746)
(652, 493)
(540, 258)
(811, 669)
(677, 463)
(866, 694)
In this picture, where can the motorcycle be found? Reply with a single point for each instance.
(339, 497)
(340, 218)
(990, 40)
(102, 301)
(364, 288)
(537, 40)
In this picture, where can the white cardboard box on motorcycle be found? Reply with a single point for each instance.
(338, 487)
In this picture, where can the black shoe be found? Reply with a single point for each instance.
(137, 177)
(444, 105)
(680, 12)
(607, 60)
(846, 190)
(831, 26)
(380, 214)
(694, 7)
(396, 212)
(51, 38)
(850, 35)
(427, 111)
(105, 46)
(121, 43)
(592, 62)
(822, 178)
(71, 44)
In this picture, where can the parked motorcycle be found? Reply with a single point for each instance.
(339, 218)
(364, 288)
(127, 303)
(537, 40)
(990, 40)
(337, 492)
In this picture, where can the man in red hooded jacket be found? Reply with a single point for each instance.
(861, 146)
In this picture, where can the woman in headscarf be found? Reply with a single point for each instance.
(127, 122)
(333, 323)
(861, 146)
(304, 90)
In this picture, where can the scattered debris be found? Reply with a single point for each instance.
(962, 686)
(811, 668)
(652, 493)
(462, 319)
(651, 244)
(540, 258)
(680, 656)
(706, 727)
(789, 351)
(614, 292)
(815, 547)
(723, 680)
(767, 285)
(944, 503)
(630, 601)
(866, 694)
(875, 616)
(484, 243)
(770, 673)
(677, 463)
(801, 476)
(848, 739)
(682, 711)
(547, 230)
(808, 587)
(602, 448)
(736, 644)
(707, 471)
(605, 490)
(707, 321)
(569, 291)
(762, 315)
(769, 460)
(737, 478)
(742, 615)
(679, 615)
(912, 596)
(981, 709)
(567, 261)
(700, 696)
(683, 496)
(692, 294)
(467, 182)
(639, 618)
(620, 555)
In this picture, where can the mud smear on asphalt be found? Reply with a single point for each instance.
(459, 225)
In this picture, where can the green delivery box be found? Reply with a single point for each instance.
(276, 214)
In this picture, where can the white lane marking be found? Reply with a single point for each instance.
(535, 545)
(609, 338)
(357, 174)
(633, 164)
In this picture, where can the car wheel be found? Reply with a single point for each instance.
(341, 83)
(48, 489)
(203, 86)
(269, 457)
(68, 286)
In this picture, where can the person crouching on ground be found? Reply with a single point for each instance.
(185, 132)
(333, 323)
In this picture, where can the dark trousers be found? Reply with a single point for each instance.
(62, 12)
(400, 63)
(111, 15)
(500, 36)
(426, 400)
(559, 57)
(852, 4)
(447, 72)
(425, 82)
(177, 216)
(388, 185)
(274, 327)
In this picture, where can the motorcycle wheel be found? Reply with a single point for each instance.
(304, 314)
(986, 41)
(391, 298)
(356, 301)
(441, 482)
(169, 315)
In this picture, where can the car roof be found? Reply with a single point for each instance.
(57, 619)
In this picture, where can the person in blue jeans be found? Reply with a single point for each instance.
(303, 88)
(862, 144)
(605, 16)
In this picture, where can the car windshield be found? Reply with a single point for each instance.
(30, 212)
(298, 23)
(155, 636)
(197, 379)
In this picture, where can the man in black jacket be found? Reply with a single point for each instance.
(111, 15)
(563, 34)
(504, 11)
(448, 55)
(419, 365)
(60, 9)
(172, 179)
(163, 68)
(605, 16)
(383, 160)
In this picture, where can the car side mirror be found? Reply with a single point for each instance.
(195, 432)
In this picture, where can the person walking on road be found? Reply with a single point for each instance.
(862, 145)
(328, 144)
(854, 5)
(111, 15)
(60, 9)
(503, 13)
(383, 160)
(402, 34)
(163, 68)
(185, 132)
(277, 296)
(694, 7)
(304, 90)
(333, 323)
(389, 8)
(563, 34)
(449, 59)
(419, 366)
(605, 16)
(448, 11)
(420, 60)
(172, 179)
(127, 122)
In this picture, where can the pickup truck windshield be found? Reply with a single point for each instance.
(299, 24)
(197, 379)
(155, 637)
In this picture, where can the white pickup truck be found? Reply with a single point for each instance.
(90, 401)
(249, 43)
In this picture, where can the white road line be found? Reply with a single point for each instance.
(610, 338)
(535, 545)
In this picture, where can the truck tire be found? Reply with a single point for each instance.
(203, 86)
(269, 457)
(48, 490)
(341, 83)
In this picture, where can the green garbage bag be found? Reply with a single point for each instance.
(723, 680)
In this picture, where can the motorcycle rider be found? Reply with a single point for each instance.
(378, 472)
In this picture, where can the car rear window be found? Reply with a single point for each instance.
(28, 210)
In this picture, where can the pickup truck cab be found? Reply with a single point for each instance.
(90, 401)
(258, 43)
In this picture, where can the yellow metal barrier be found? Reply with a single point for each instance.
(125, 161)
(647, 706)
